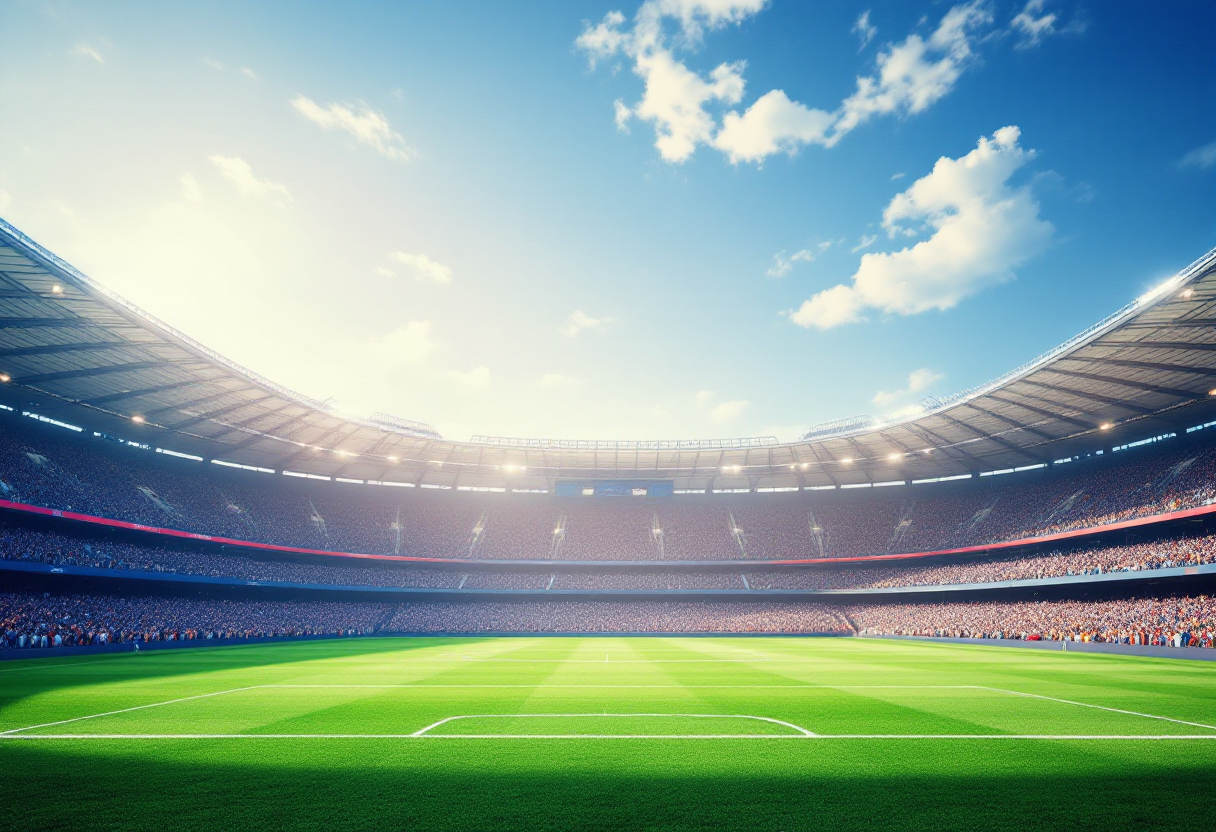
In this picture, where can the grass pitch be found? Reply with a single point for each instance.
(608, 733)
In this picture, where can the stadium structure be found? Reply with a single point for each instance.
(136, 463)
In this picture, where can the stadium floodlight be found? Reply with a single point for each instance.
(5, 378)
(139, 420)
(1187, 292)
(56, 289)
(895, 457)
(392, 459)
(928, 450)
(848, 460)
(1105, 426)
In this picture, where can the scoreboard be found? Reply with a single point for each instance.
(615, 488)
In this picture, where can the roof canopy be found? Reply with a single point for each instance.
(76, 352)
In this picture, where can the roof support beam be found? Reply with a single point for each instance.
(1000, 440)
(1135, 385)
(53, 349)
(942, 444)
(1170, 324)
(1068, 391)
(129, 394)
(1153, 345)
(196, 402)
(203, 417)
(1152, 365)
(62, 323)
(108, 369)
(1046, 413)
(1013, 423)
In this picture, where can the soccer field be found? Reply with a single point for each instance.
(608, 733)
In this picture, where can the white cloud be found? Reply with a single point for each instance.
(385, 272)
(559, 381)
(424, 268)
(915, 73)
(918, 381)
(783, 265)
(249, 73)
(365, 124)
(774, 124)
(239, 173)
(910, 76)
(899, 175)
(866, 241)
(86, 51)
(1032, 25)
(727, 411)
(720, 411)
(864, 30)
(982, 229)
(190, 189)
(477, 378)
(1201, 157)
(213, 63)
(580, 321)
(674, 97)
(408, 344)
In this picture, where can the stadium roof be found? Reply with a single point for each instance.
(75, 352)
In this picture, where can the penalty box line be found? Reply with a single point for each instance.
(425, 731)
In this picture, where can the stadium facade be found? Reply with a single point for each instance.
(137, 465)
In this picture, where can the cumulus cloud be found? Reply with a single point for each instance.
(674, 97)
(982, 229)
(774, 124)
(676, 100)
(239, 173)
(580, 321)
(190, 189)
(360, 121)
(918, 381)
(1201, 157)
(423, 267)
(864, 30)
(408, 344)
(477, 378)
(915, 73)
(86, 51)
(558, 381)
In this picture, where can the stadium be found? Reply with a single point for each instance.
(225, 604)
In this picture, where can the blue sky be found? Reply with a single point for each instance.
(677, 218)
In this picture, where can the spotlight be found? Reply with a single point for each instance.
(848, 460)
(139, 420)
(1105, 426)
(5, 378)
(56, 289)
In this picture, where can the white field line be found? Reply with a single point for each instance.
(1118, 737)
(1099, 707)
(798, 728)
(647, 687)
(13, 731)
(618, 661)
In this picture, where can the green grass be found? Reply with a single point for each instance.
(607, 733)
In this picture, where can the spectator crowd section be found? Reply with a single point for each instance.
(35, 620)
(53, 545)
(1164, 622)
(59, 469)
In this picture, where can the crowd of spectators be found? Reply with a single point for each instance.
(616, 617)
(59, 469)
(22, 543)
(38, 620)
(1165, 622)
(29, 620)
(1095, 560)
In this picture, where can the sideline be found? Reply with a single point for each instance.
(1201, 654)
